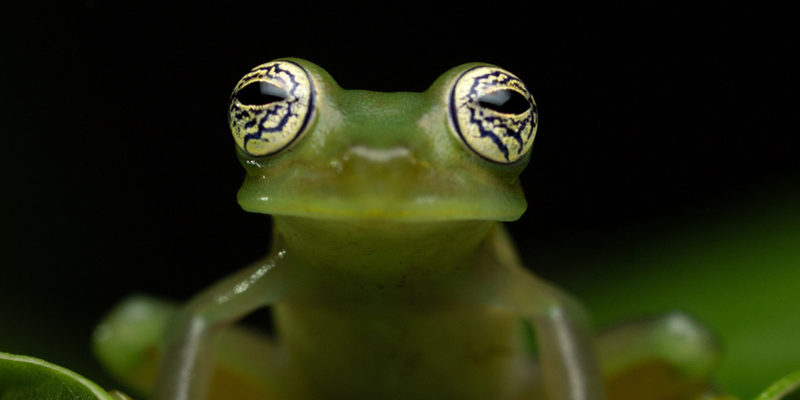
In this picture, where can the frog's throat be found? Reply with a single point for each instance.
(387, 250)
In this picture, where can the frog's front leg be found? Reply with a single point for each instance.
(566, 351)
(566, 348)
(187, 363)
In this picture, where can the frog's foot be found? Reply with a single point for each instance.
(670, 357)
(128, 341)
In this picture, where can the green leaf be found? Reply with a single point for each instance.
(28, 378)
(787, 388)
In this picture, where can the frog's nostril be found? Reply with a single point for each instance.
(380, 155)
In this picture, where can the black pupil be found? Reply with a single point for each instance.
(260, 93)
(505, 101)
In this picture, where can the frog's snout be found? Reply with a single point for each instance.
(374, 166)
(377, 155)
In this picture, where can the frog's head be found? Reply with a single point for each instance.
(313, 149)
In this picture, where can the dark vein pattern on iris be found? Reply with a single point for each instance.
(496, 136)
(264, 129)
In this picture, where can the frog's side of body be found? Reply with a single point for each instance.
(389, 275)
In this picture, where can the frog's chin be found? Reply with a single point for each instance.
(400, 191)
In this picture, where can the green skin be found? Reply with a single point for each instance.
(408, 289)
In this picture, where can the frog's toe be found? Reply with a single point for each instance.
(126, 341)
(671, 356)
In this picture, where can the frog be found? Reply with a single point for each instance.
(390, 273)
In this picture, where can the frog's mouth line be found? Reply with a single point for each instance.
(412, 207)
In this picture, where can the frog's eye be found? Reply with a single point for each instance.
(493, 113)
(271, 107)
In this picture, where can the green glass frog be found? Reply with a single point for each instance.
(390, 274)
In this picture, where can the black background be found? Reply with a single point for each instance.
(119, 173)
